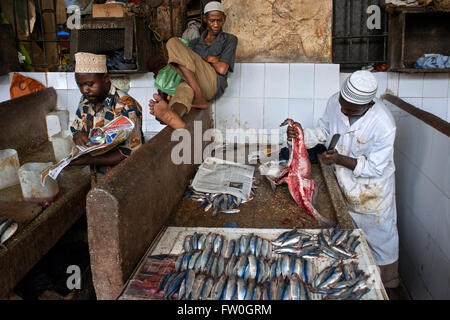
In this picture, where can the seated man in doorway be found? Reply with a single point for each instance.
(101, 103)
(363, 162)
(203, 66)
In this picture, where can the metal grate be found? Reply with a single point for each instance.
(44, 46)
(354, 44)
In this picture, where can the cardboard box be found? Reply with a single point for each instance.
(114, 10)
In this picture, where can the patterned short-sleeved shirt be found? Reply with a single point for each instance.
(117, 103)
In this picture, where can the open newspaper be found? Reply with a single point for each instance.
(220, 176)
(102, 140)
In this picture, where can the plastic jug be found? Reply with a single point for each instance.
(30, 181)
(9, 165)
(62, 145)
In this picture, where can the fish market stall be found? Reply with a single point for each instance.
(39, 224)
(254, 264)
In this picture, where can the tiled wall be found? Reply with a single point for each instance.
(262, 95)
(427, 91)
(422, 159)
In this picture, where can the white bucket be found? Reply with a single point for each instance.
(62, 145)
(9, 165)
(30, 181)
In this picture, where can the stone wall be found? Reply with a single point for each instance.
(281, 30)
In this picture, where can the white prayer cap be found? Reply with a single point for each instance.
(214, 6)
(90, 63)
(360, 87)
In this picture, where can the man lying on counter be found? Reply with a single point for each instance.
(101, 103)
(203, 67)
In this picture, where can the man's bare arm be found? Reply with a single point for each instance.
(220, 67)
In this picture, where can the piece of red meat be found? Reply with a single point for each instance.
(296, 174)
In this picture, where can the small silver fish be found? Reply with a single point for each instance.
(229, 269)
(294, 287)
(285, 266)
(250, 289)
(198, 286)
(258, 249)
(241, 289)
(231, 288)
(213, 271)
(187, 244)
(252, 267)
(220, 266)
(231, 211)
(258, 292)
(217, 245)
(241, 265)
(207, 288)
(179, 262)
(218, 287)
(201, 241)
(194, 259)
(190, 279)
(264, 248)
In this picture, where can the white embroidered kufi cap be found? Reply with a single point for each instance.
(90, 63)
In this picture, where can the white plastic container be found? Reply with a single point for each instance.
(9, 165)
(62, 145)
(30, 181)
(57, 121)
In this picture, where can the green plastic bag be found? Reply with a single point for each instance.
(167, 79)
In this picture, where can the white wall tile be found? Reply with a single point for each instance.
(275, 112)
(252, 80)
(234, 82)
(227, 113)
(326, 80)
(416, 102)
(142, 80)
(448, 110)
(382, 79)
(435, 85)
(319, 109)
(153, 125)
(410, 85)
(61, 99)
(302, 111)
(442, 236)
(438, 168)
(73, 99)
(342, 77)
(57, 80)
(277, 80)
(393, 83)
(439, 276)
(4, 88)
(251, 113)
(71, 82)
(141, 96)
(436, 106)
(301, 83)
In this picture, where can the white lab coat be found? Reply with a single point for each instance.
(370, 188)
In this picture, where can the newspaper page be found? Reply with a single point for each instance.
(221, 176)
(105, 139)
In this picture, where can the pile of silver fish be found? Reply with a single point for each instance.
(214, 268)
(219, 202)
(7, 229)
(335, 243)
